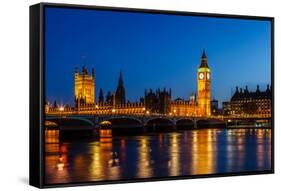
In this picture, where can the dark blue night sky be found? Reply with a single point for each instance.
(153, 51)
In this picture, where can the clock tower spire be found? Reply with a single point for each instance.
(204, 87)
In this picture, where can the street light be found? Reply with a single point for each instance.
(61, 108)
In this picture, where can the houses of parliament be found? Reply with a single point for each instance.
(157, 101)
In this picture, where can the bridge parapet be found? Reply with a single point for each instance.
(95, 120)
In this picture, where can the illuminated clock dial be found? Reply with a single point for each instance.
(201, 76)
(208, 76)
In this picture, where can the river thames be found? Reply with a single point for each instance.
(190, 152)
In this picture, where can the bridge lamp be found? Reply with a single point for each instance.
(170, 113)
(147, 112)
(143, 109)
(61, 108)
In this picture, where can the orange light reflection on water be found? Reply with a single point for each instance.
(143, 164)
(177, 153)
(203, 157)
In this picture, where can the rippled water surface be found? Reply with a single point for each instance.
(204, 151)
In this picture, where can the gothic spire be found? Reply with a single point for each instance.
(101, 98)
(93, 72)
(101, 93)
(204, 63)
(120, 82)
(120, 95)
(204, 54)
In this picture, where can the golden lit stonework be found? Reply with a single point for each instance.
(158, 102)
(84, 86)
(204, 87)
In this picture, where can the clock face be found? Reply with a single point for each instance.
(208, 76)
(201, 76)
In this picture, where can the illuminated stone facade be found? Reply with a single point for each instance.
(93, 109)
(181, 107)
(247, 103)
(128, 109)
(158, 102)
(201, 106)
(84, 87)
(161, 102)
(204, 87)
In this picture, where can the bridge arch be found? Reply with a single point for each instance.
(156, 124)
(70, 121)
(113, 119)
(120, 125)
(202, 122)
(159, 120)
(50, 124)
(218, 120)
(184, 123)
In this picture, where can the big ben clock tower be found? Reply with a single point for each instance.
(204, 89)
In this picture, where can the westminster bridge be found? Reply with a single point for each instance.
(146, 123)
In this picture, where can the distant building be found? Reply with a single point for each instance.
(158, 101)
(226, 109)
(244, 102)
(214, 107)
(84, 86)
(110, 99)
(120, 94)
(203, 105)
(204, 87)
(181, 107)
(101, 98)
(47, 107)
(153, 102)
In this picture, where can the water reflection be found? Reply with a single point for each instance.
(144, 165)
(174, 163)
(204, 151)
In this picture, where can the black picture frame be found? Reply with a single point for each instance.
(37, 92)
